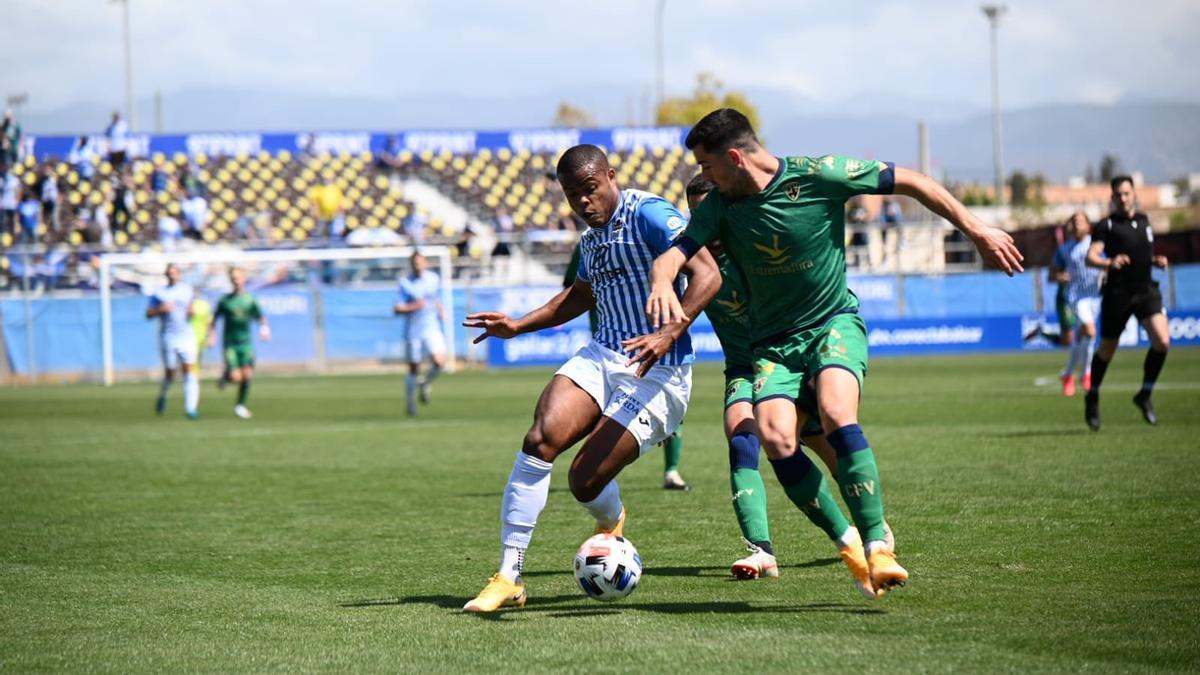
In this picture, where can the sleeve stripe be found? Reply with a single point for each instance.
(687, 245)
(887, 179)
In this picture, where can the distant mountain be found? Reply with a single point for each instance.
(1160, 139)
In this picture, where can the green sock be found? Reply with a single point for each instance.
(858, 476)
(805, 485)
(672, 450)
(750, 504)
(243, 392)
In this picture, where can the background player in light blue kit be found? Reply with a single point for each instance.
(1083, 297)
(420, 294)
(172, 306)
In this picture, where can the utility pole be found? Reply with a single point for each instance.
(993, 14)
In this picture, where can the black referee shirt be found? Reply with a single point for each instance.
(1131, 236)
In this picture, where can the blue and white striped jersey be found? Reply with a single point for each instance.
(616, 259)
(1072, 257)
(175, 325)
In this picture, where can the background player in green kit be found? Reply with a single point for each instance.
(238, 309)
(782, 222)
(803, 483)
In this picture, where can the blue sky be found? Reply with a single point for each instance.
(825, 54)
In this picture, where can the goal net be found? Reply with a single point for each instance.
(330, 310)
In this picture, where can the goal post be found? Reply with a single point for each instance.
(373, 268)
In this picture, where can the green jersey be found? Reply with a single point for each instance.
(729, 314)
(789, 240)
(238, 310)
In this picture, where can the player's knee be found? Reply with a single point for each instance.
(536, 444)
(777, 442)
(585, 486)
(743, 451)
(837, 414)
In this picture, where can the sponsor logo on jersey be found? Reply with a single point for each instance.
(775, 254)
(776, 257)
(734, 307)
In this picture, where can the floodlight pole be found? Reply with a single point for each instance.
(993, 14)
(659, 68)
(130, 112)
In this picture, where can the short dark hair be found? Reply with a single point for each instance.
(578, 157)
(1117, 180)
(698, 185)
(720, 130)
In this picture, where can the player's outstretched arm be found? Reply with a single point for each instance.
(564, 306)
(408, 307)
(704, 281)
(663, 305)
(995, 245)
(1095, 258)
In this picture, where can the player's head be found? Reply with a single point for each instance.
(1079, 226)
(173, 273)
(419, 263)
(1124, 200)
(721, 142)
(589, 184)
(237, 277)
(697, 189)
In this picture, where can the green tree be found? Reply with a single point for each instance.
(1018, 182)
(569, 115)
(708, 95)
(1109, 166)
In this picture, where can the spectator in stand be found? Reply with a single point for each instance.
(48, 190)
(122, 202)
(82, 158)
(29, 211)
(170, 232)
(10, 187)
(117, 134)
(414, 226)
(194, 210)
(160, 177)
(329, 207)
(10, 139)
(388, 161)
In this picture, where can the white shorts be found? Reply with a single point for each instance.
(425, 346)
(176, 352)
(650, 407)
(1087, 309)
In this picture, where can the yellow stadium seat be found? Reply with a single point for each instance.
(209, 236)
(74, 199)
(6, 240)
(75, 238)
(277, 234)
(120, 238)
(142, 217)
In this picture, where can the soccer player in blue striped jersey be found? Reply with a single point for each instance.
(172, 306)
(622, 393)
(1083, 297)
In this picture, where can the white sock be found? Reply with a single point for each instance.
(606, 507)
(1089, 352)
(847, 539)
(163, 387)
(524, 498)
(191, 392)
(1072, 358)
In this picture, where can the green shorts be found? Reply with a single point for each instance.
(788, 368)
(739, 388)
(1067, 321)
(239, 356)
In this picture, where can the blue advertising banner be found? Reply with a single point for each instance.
(456, 141)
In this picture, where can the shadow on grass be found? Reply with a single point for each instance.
(1039, 433)
(575, 606)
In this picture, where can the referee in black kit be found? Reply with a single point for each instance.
(1123, 245)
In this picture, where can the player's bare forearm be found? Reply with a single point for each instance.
(666, 267)
(937, 199)
(1095, 256)
(704, 282)
(995, 246)
(663, 307)
(567, 304)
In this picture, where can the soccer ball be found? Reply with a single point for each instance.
(607, 567)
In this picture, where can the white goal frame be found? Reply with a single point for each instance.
(244, 257)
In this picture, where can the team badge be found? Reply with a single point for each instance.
(792, 190)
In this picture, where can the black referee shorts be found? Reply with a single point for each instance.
(1118, 304)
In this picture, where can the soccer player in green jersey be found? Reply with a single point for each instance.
(238, 309)
(803, 482)
(782, 222)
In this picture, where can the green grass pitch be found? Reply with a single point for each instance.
(330, 533)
